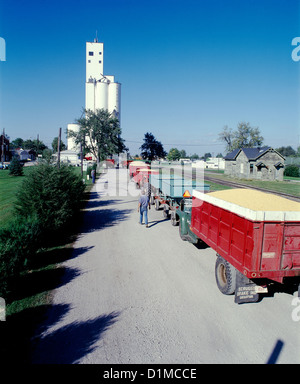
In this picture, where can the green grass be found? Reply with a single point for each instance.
(9, 185)
(289, 187)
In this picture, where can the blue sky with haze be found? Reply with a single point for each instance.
(187, 68)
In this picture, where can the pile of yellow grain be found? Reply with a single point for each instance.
(256, 200)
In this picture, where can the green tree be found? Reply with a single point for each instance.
(55, 145)
(195, 156)
(245, 136)
(99, 133)
(286, 151)
(206, 155)
(174, 154)
(36, 145)
(183, 154)
(47, 155)
(15, 167)
(17, 143)
(151, 148)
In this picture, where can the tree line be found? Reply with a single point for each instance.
(100, 134)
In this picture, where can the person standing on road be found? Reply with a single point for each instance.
(144, 203)
(93, 174)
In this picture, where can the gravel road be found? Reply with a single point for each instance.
(133, 294)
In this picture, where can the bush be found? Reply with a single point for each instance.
(52, 195)
(47, 200)
(292, 171)
(18, 243)
(15, 167)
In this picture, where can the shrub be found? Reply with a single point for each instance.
(52, 195)
(47, 200)
(292, 171)
(15, 167)
(18, 243)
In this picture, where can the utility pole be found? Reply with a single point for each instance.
(81, 159)
(2, 147)
(37, 146)
(58, 148)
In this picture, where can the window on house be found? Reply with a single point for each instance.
(91, 53)
(89, 61)
(100, 61)
(100, 53)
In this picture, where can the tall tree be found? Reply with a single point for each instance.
(245, 136)
(174, 154)
(17, 143)
(227, 136)
(99, 133)
(36, 145)
(151, 148)
(286, 151)
(55, 145)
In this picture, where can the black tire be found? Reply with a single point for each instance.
(225, 276)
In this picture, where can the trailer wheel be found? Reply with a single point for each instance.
(225, 276)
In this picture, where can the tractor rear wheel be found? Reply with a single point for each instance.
(225, 276)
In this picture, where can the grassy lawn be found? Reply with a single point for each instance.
(9, 185)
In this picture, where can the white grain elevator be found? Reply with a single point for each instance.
(101, 91)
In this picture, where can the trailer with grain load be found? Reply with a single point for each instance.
(256, 236)
(168, 189)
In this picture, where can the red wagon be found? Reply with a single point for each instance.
(135, 166)
(256, 236)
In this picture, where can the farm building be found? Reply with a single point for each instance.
(263, 163)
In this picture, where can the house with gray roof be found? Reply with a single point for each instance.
(263, 163)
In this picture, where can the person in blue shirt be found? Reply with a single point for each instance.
(144, 203)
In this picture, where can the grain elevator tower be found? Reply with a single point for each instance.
(100, 91)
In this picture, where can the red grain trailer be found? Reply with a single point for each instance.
(256, 236)
(135, 166)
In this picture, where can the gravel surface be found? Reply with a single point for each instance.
(133, 294)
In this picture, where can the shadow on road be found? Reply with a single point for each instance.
(95, 220)
(70, 343)
(39, 281)
(153, 223)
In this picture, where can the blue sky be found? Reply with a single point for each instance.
(187, 68)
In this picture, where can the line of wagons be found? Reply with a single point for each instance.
(256, 235)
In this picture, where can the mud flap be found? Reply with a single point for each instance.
(246, 290)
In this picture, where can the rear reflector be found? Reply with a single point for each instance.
(186, 194)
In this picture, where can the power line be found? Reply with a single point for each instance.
(178, 144)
